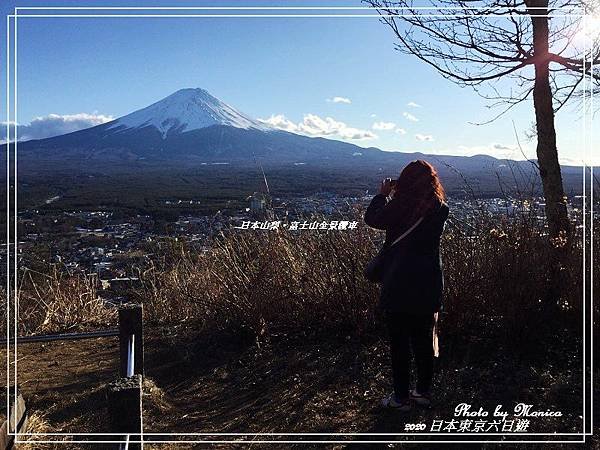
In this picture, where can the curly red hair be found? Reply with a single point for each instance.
(419, 189)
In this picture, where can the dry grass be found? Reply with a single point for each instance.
(264, 283)
(292, 384)
(58, 300)
(260, 284)
(36, 423)
(306, 349)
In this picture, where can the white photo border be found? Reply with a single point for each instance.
(251, 437)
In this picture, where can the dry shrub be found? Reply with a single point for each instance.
(498, 281)
(36, 423)
(261, 283)
(60, 301)
(266, 281)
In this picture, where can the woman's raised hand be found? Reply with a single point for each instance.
(386, 186)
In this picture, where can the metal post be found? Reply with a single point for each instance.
(130, 324)
(131, 356)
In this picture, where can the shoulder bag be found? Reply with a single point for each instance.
(376, 267)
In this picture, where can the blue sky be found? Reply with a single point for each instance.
(289, 71)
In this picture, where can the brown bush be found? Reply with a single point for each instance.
(262, 282)
(59, 301)
(268, 282)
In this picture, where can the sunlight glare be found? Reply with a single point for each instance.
(589, 31)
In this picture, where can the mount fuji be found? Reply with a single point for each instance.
(188, 127)
(186, 110)
(191, 129)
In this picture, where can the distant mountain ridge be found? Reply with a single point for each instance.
(187, 127)
(191, 128)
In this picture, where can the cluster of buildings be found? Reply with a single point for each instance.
(533, 208)
(109, 245)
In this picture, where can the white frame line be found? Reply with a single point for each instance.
(8, 218)
(261, 16)
(279, 8)
(589, 147)
(15, 237)
(16, 15)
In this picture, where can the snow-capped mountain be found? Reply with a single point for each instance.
(191, 129)
(187, 128)
(186, 110)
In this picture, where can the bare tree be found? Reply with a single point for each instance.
(508, 51)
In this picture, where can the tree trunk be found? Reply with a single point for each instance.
(547, 153)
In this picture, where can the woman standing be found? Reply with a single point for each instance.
(413, 206)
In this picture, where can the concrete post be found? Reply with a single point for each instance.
(125, 408)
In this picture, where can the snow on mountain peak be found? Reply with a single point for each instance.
(186, 110)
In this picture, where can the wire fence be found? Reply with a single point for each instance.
(61, 337)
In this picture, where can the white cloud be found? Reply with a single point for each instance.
(413, 105)
(55, 125)
(424, 137)
(373, 116)
(400, 131)
(502, 151)
(314, 125)
(493, 149)
(280, 122)
(339, 100)
(410, 117)
(384, 125)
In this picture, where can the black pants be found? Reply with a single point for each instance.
(408, 331)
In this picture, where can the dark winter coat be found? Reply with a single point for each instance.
(413, 280)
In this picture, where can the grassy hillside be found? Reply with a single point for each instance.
(277, 321)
